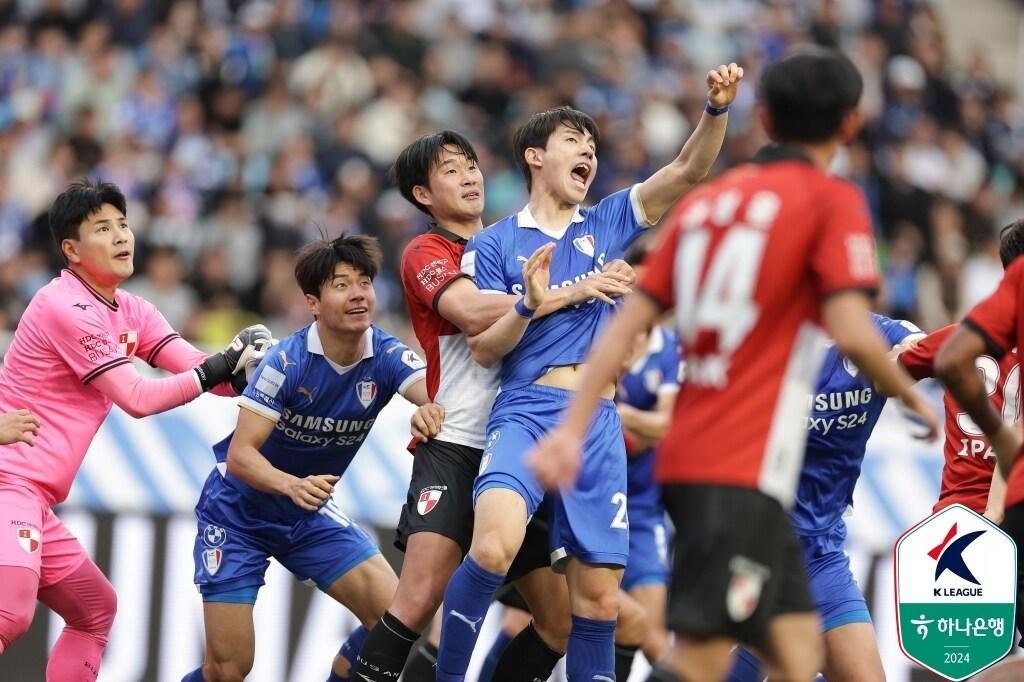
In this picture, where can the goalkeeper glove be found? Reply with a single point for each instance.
(223, 366)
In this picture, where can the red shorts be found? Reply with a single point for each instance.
(32, 536)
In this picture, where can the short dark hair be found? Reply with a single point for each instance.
(1011, 242)
(538, 128)
(809, 92)
(77, 202)
(415, 162)
(316, 261)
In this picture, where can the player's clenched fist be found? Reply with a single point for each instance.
(312, 491)
(556, 459)
(18, 426)
(723, 84)
(426, 421)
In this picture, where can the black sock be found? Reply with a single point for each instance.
(624, 656)
(421, 663)
(383, 655)
(659, 674)
(526, 658)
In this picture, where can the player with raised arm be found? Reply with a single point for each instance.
(302, 419)
(750, 263)
(969, 474)
(844, 409)
(71, 360)
(557, 153)
(440, 175)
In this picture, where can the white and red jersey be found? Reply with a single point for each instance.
(430, 263)
(998, 319)
(68, 336)
(746, 262)
(968, 459)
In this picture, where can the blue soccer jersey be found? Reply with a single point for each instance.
(657, 372)
(843, 412)
(323, 411)
(494, 259)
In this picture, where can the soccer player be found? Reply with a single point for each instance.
(843, 412)
(303, 417)
(557, 153)
(71, 359)
(969, 474)
(750, 263)
(440, 175)
(18, 426)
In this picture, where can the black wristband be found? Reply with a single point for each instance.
(213, 370)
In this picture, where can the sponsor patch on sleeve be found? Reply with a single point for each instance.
(269, 382)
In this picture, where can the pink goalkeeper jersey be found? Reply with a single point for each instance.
(68, 336)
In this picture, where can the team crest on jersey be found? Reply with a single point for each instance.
(214, 536)
(745, 585)
(429, 497)
(29, 539)
(212, 559)
(366, 391)
(127, 342)
(584, 244)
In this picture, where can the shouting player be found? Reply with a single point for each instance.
(843, 412)
(557, 153)
(750, 263)
(440, 175)
(71, 359)
(303, 417)
(969, 474)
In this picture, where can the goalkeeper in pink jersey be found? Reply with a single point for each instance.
(70, 360)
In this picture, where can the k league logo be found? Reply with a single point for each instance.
(955, 592)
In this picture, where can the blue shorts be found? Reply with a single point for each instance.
(648, 550)
(234, 544)
(588, 521)
(835, 593)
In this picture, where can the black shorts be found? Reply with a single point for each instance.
(737, 565)
(1013, 525)
(440, 500)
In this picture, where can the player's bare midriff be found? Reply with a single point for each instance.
(568, 377)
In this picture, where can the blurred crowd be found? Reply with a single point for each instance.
(241, 128)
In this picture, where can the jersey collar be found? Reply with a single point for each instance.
(113, 305)
(655, 344)
(525, 219)
(315, 345)
(779, 152)
(447, 234)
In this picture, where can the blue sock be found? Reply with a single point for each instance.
(194, 676)
(349, 650)
(466, 599)
(491, 662)
(591, 652)
(745, 667)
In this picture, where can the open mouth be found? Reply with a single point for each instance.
(581, 172)
(358, 311)
(470, 196)
(123, 255)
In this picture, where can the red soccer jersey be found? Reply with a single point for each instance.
(430, 263)
(746, 261)
(999, 321)
(969, 461)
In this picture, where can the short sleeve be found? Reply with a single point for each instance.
(670, 359)
(995, 318)
(919, 361)
(843, 254)
(82, 338)
(897, 331)
(155, 334)
(272, 383)
(622, 213)
(427, 270)
(659, 268)
(484, 262)
(404, 367)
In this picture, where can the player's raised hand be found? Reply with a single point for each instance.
(220, 367)
(426, 421)
(600, 285)
(555, 459)
(536, 275)
(18, 426)
(621, 271)
(312, 491)
(723, 84)
(239, 380)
